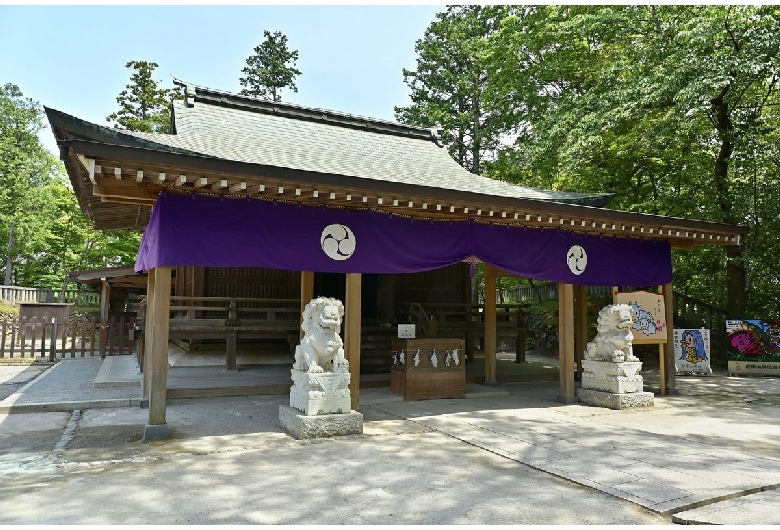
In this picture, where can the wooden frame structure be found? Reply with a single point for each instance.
(118, 175)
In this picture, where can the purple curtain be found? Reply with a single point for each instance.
(223, 232)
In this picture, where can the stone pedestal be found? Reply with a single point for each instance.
(316, 394)
(303, 427)
(598, 398)
(613, 385)
(617, 378)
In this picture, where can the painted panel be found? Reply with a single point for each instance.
(692, 351)
(753, 346)
(649, 312)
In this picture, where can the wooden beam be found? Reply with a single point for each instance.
(231, 340)
(352, 335)
(581, 331)
(307, 291)
(105, 293)
(220, 184)
(158, 358)
(490, 324)
(671, 383)
(661, 361)
(567, 391)
(146, 366)
(123, 189)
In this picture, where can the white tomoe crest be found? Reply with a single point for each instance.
(338, 242)
(577, 259)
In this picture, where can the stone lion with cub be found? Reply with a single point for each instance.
(614, 340)
(321, 348)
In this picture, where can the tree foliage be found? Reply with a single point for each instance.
(144, 105)
(448, 87)
(270, 69)
(51, 235)
(673, 108)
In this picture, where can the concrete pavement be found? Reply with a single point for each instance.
(710, 455)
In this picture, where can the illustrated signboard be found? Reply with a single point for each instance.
(692, 351)
(649, 313)
(753, 346)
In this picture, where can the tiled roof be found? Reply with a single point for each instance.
(243, 129)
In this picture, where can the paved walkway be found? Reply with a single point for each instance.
(709, 455)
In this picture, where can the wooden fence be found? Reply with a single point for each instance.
(11, 293)
(78, 337)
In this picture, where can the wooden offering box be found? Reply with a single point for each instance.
(428, 369)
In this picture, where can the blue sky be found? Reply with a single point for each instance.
(72, 58)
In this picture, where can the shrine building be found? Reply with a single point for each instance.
(250, 208)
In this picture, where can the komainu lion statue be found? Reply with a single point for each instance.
(613, 340)
(321, 348)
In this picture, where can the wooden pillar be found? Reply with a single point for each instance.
(352, 324)
(661, 361)
(230, 341)
(581, 332)
(490, 324)
(146, 366)
(670, 379)
(105, 304)
(105, 295)
(566, 393)
(158, 355)
(307, 291)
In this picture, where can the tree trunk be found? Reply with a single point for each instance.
(9, 262)
(735, 255)
(736, 281)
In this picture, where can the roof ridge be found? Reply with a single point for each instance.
(194, 93)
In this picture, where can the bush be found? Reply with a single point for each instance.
(8, 310)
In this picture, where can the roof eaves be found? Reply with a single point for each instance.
(206, 163)
(76, 128)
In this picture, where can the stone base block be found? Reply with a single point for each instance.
(155, 432)
(303, 427)
(614, 387)
(320, 393)
(597, 398)
(614, 378)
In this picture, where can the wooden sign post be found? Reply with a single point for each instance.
(650, 325)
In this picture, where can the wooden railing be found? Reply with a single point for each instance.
(78, 337)
(547, 291)
(11, 293)
(229, 319)
(467, 321)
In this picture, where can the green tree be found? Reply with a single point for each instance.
(448, 86)
(270, 69)
(26, 171)
(144, 105)
(671, 107)
(51, 236)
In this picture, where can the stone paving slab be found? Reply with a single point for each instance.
(14, 374)
(659, 472)
(758, 508)
(68, 385)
